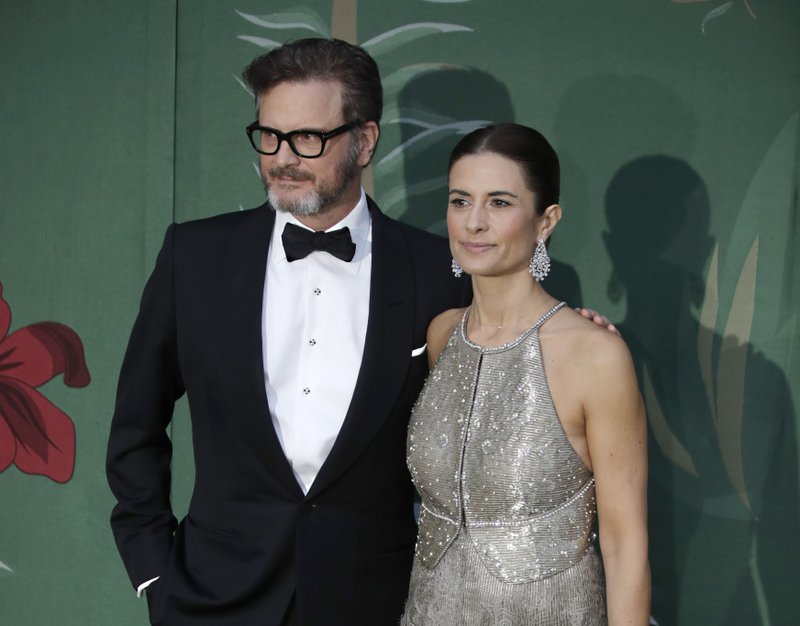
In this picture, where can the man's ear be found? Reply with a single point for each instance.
(369, 133)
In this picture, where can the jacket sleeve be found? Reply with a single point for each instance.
(139, 449)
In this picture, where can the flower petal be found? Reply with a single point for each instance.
(36, 353)
(5, 315)
(44, 434)
(8, 445)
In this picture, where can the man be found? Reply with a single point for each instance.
(300, 373)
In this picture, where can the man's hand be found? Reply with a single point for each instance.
(600, 320)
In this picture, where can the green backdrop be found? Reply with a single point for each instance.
(677, 125)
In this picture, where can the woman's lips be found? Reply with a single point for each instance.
(476, 247)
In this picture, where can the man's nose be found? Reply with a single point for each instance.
(285, 156)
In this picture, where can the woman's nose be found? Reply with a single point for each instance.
(476, 220)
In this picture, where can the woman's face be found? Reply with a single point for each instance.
(491, 220)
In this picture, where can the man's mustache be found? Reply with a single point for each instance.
(289, 172)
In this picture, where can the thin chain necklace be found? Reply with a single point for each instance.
(494, 327)
(480, 323)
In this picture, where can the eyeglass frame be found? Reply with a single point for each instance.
(324, 136)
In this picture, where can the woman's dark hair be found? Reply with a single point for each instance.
(527, 148)
(323, 59)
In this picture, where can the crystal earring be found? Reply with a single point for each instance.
(457, 270)
(540, 262)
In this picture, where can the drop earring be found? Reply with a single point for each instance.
(457, 269)
(540, 262)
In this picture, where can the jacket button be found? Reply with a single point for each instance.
(306, 508)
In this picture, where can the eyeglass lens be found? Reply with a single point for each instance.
(305, 144)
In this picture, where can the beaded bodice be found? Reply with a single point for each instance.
(489, 457)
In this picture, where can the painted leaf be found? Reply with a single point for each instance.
(398, 194)
(666, 440)
(261, 42)
(705, 331)
(715, 13)
(425, 138)
(769, 208)
(241, 84)
(302, 18)
(731, 373)
(398, 79)
(392, 39)
(415, 115)
(750, 10)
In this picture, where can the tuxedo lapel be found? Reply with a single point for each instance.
(240, 302)
(387, 348)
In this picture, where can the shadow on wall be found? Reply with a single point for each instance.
(723, 495)
(436, 110)
(606, 119)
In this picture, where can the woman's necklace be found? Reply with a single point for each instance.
(494, 327)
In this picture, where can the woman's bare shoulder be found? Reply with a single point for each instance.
(439, 331)
(585, 343)
(592, 366)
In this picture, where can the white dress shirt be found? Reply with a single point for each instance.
(314, 324)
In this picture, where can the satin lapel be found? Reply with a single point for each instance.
(387, 349)
(241, 290)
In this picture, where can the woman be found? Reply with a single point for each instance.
(530, 423)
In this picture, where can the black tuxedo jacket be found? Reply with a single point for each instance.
(251, 538)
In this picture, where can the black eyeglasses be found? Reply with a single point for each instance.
(308, 144)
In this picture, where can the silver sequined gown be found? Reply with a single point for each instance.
(505, 535)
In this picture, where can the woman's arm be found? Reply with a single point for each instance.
(616, 435)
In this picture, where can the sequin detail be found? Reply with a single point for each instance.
(508, 506)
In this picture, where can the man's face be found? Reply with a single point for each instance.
(302, 186)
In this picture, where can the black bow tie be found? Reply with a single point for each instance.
(298, 243)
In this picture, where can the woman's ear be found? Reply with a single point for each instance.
(548, 221)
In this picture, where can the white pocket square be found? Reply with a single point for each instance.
(420, 350)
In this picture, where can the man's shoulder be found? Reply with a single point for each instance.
(430, 252)
(223, 221)
(208, 236)
(419, 240)
(422, 237)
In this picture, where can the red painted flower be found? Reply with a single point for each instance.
(35, 434)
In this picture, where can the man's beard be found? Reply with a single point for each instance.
(324, 195)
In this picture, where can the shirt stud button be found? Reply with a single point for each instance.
(306, 390)
(317, 291)
(312, 342)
